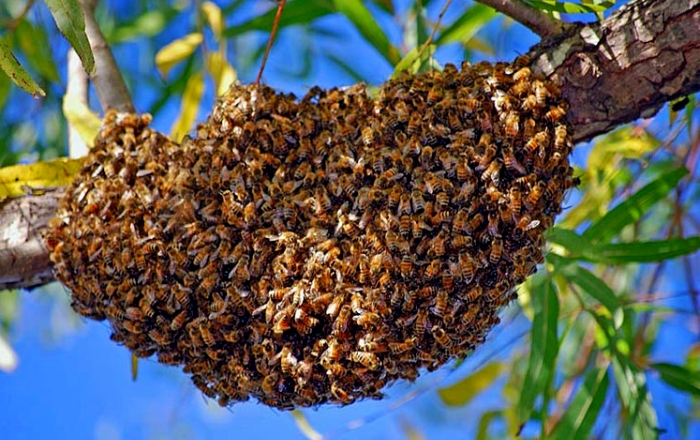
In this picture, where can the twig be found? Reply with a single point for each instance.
(535, 20)
(107, 79)
(273, 32)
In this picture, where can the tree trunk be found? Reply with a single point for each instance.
(613, 72)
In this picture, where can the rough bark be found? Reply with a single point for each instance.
(613, 72)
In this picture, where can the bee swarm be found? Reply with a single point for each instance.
(312, 251)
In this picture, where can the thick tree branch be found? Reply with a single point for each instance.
(627, 66)
(107, 79)
(535, 20)
(613, 72)
(24, 260)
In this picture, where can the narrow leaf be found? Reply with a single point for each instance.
(304, 426)
(10, 65)
(295, 12)
(414, 60)
(467, 25)
(86, 122)
(134, 367)
(571, 8)
(221, 72)
(579, 418)
(17, 180)
(364, 21)
(189, 106)
(679, 377)
(545, 346)
(177, 51)
(214, 18)
(646, 251)
(635, 399)
(591, 284)
(466, 389)
(633, 208)
(70, 20)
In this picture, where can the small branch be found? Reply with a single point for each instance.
(535, 20)
(107, 78)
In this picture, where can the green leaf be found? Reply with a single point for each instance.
(579, 418)
(571, 8)
(10, 65)
(414, 60)
(635, 399)
(487, 418)
(295, 12)
(545, 345)
(70, 20)
(364, 21)
(646, 251)
(591, 284)
(467, 25)
(634, 207)
(147, 24)
(679, 377)
(462, 392)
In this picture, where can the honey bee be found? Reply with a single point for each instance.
(433, 269)
(440, 303)
(554, 114)
(335, 370)
(441, 336)
(402, 347)
(366, 319)
(394, 197)
(512, 164)
(426, 157)
(536, 193)
(366, 359)
(417, 201)
(496, 249)
(342, 322)
(406, 266)
(469, 316)
(282, 321)
(340, 395)
(486, 159)
(421, 323)
(368, 136)
(493, 172)
(463, 170)
(414, 124)
(541, 92)
(474, 294)
(475, 222)
(432, 183)
(514, 196)
(435, 94)
(493, 224)
(461, 241)
(512, 124)
(405, 225)
(560, 141)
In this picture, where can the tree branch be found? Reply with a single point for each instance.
(107, 79)
(613, 72)
(626, 67)
(535, 20)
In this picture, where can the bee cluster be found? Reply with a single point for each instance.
(313, 251)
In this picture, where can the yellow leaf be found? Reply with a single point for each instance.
(189, 106)
(214, 18)
(412, 433)
(18, 180)
(177, 51)
(221, 72)
(463, 391)
(134, 367)
(86, 122)
(305, 426)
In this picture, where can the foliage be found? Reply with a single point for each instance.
(597, 306)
